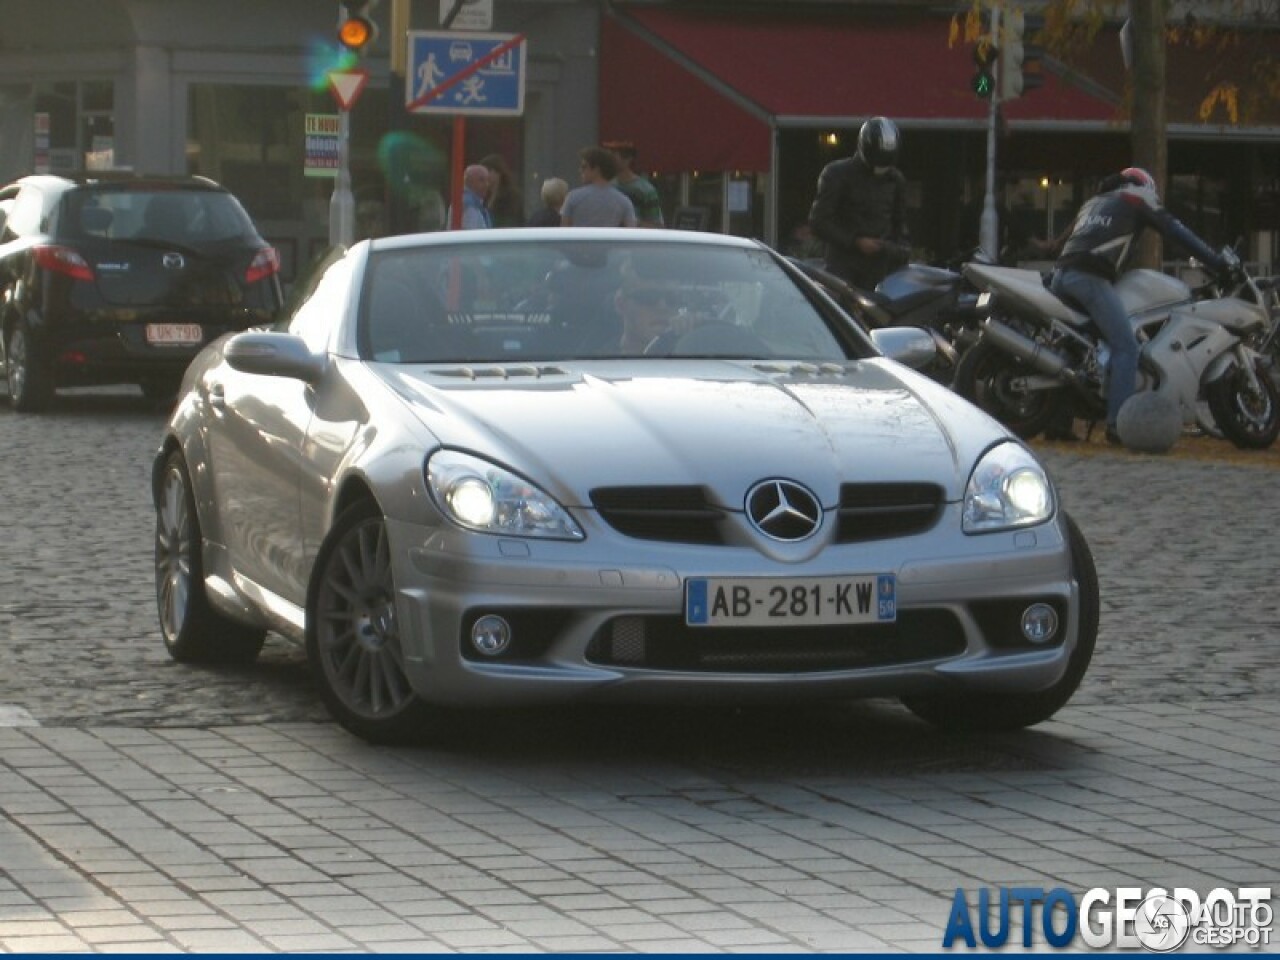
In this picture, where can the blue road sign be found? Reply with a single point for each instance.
(473, 74)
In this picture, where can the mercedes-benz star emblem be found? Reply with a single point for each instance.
(173, 261)
(783, 510)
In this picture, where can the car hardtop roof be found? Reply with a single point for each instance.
(120, 179)
(629, 235)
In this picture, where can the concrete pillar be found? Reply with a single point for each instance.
(152, 134)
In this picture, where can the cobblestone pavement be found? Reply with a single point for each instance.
(163, 807)
(1186, 553)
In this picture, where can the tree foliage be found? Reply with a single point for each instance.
(1070, 27)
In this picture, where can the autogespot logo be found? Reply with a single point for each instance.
(1157, 920)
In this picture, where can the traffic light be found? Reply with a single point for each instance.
(357, 29)
(1032, 67)
(1012, 54)
(984, 54)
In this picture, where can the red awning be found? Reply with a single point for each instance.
(701, 91)
(678, 120)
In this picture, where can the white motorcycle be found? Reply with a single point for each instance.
(1036, 353)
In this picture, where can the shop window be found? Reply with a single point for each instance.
(252, 140)
(706, 190)
(74, 126)
(1201, 203)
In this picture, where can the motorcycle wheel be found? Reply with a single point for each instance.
(985, 377)
(1248, 420)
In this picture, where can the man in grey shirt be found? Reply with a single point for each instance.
(597, 203)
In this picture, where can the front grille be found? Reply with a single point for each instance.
(672, 514)
(876, 511)
(683, 514)
(667, 643)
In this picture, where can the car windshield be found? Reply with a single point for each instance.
(172, 215)
(544, 299)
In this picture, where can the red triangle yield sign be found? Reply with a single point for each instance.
(347, 86)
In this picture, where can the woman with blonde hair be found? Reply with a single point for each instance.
(554, 190)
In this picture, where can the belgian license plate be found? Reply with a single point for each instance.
(174, 334)
(793, 601)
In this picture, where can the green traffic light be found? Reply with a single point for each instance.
(983, 84)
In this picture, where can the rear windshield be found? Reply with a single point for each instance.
(176, 215)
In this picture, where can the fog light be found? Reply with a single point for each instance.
(1039, 623)
(491, 635)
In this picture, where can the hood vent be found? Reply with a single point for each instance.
(499, 372)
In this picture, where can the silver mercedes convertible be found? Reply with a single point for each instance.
(512, 467)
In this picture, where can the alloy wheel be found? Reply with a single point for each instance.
(357, 631)
(173, 552)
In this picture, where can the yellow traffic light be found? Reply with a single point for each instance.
(357, 30)
(355, 33)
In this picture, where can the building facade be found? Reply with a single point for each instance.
(734, 108)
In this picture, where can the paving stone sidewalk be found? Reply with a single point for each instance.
(824, 832)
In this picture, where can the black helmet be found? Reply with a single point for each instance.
(878, 142)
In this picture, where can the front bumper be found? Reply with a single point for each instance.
(604, 618)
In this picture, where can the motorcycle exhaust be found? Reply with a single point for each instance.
(1024, 348)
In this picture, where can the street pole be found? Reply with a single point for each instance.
(342, 205)
(989, 225)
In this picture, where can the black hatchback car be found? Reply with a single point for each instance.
(108, 278)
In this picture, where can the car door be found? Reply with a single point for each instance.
(258, 453)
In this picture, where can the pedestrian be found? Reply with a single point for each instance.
(639, 190)
(1094, 255)
(505, 201)
(475, 190)
(859, 210)
(554, 190)
(597, 203)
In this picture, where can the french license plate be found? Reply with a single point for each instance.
(174, 334)
(793, 601)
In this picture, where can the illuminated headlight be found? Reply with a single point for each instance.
(1007, 488)
(984, 300)
(483, 496)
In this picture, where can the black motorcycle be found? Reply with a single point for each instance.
(938, 299)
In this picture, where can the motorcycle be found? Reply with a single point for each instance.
(937, 299)
(1039, 360)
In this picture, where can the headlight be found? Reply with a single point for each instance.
(1007, 488)
(483, 496)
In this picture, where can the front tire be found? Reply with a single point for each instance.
(353, 632)
(1250, 421)
(985, 377)
(29, 375)
(1012, 711)
(194, 632)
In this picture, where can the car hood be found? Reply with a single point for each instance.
(720, 424)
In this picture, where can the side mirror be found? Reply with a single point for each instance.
(272, 354)
(913, 347)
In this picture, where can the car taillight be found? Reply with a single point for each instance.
(265, 263)
(63, 260)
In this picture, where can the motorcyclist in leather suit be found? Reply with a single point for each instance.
(1095, 253)
(859, 210)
